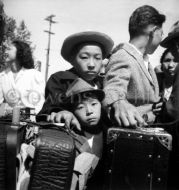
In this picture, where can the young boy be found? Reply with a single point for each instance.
(84, 101)
(85, 52)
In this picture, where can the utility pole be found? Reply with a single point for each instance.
(49, 19)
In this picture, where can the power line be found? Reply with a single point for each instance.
(49, 19)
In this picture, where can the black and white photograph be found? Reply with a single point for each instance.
(89, 95)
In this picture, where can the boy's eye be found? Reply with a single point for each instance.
(94, 103)
(84, 57)
(79, 107)
(98, 57)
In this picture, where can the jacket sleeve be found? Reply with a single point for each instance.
(54, 94)
(117, 77)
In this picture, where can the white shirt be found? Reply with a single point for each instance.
(27, 89)
(167, 92)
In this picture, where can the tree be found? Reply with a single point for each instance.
(2, 21)
(22, 33)
(13, 32)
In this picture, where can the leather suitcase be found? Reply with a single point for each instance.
(137, 159)
(53, 161)
(11, 137)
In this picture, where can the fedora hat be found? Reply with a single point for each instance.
(172, 35)
(73, 40)
(80, 86)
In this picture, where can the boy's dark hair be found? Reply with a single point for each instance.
(142, 17)
(24, 54)
(78, 98)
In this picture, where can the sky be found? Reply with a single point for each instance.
(107, 16)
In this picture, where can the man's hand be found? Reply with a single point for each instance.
(126, 114)
(64, 117)
(157, 107)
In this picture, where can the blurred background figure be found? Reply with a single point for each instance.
(166, 72)
(172, 40)
(171, 109)
(20, 84)
(172, 43)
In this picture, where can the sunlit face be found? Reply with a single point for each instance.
(10, 53)
(155, 38)
(88, 112)
(88, 61)
(170, 63)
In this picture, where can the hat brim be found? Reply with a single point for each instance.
(102, 39)
(99, 93)
(166, 42)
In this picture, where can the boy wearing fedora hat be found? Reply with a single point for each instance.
(85, 51)
(84, 101)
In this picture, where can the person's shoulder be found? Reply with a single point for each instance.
(68, 74)
(5, 73)
(120, 54)
(34, 75)
(2, 73)
(32, 72)
(120, 49)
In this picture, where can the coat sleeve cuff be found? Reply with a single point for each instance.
(113, 96)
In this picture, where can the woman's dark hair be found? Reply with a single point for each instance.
(142, 17)
(163, 55)
(24, 54)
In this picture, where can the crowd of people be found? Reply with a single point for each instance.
(128, 93)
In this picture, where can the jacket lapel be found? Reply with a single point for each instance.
(139, 60)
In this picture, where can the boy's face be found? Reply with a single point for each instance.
(88, 112)
(88, 61)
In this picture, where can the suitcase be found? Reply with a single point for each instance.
(11, 137)
(53, 161)
(137, 159)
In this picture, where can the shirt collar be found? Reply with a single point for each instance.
(135, 49)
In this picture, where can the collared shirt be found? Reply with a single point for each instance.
(145, 57)
(24, 90)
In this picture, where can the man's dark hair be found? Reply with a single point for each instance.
(24, 54)
(142, 17)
